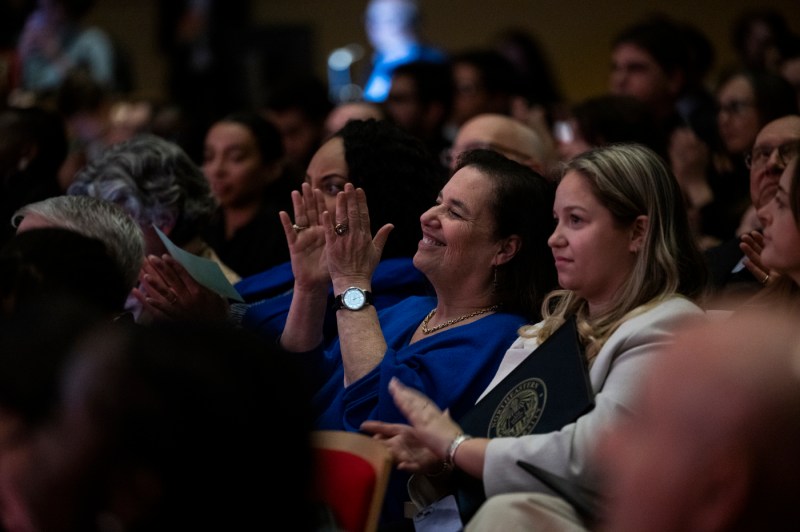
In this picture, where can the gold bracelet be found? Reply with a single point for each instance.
(451, 450)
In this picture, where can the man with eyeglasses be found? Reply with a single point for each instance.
(733, 276)
(503, 134)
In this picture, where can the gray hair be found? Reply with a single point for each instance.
(94, 218)
(154, 181)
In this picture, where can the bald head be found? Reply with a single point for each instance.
(716, 435)
(344, 112)
(503, 134)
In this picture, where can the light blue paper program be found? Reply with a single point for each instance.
(204, 271)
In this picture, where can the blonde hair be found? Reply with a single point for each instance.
(631, 180)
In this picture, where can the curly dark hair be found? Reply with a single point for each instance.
(399, 175)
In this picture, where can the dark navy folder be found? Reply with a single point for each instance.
(548, 390)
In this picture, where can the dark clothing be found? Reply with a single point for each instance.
(731, 191)
(257, 246)
(261, 244)
(724, 281)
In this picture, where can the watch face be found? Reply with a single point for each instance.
(353, 298)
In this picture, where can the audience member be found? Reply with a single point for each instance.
(243, 163)
(55, 41)
(483, 250)
(629, 269)
(715, 444)
(139, 408)
(86, 107)
(662, 62)
(778, 248)
(607, 119)
(33, 145)
(502, 134)
(92, 217)
(58, 262)
(420, 100)
(344, 112)
(159, 186)
(298, 106)
(484, 81)
(759, 36)
(394, 29)
(747, 100)
(539, 86)
(733, 277)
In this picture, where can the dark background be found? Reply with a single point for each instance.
(299, 34)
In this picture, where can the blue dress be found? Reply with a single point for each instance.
(270, 295)
(452, 367)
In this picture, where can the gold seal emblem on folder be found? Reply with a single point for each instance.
(520, 410)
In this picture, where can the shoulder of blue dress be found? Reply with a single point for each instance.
(275, 276)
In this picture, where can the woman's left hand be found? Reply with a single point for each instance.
(353, 254)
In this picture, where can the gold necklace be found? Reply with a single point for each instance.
(426, 330)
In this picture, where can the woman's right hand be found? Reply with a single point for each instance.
(752, 244)
(306, 238)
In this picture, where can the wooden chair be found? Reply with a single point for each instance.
(350, 477)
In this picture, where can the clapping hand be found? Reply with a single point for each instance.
(752, 244)
(353, 254)
(422, 445)
(306, 238)
(168, 292)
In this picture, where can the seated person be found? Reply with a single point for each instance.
(57, 262)
(503, 134)
(243, 163)
(94, 218)
(484, 251)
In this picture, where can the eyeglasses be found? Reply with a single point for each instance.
(734, 107)
(761, 154)
(451, 154)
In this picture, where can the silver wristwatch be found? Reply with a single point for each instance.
(353, 298)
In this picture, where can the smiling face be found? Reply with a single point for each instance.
(594, 254)
(233, 165)
(458, 232)
(781, 234)
(328, 171)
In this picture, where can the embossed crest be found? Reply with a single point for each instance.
(520, 410)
